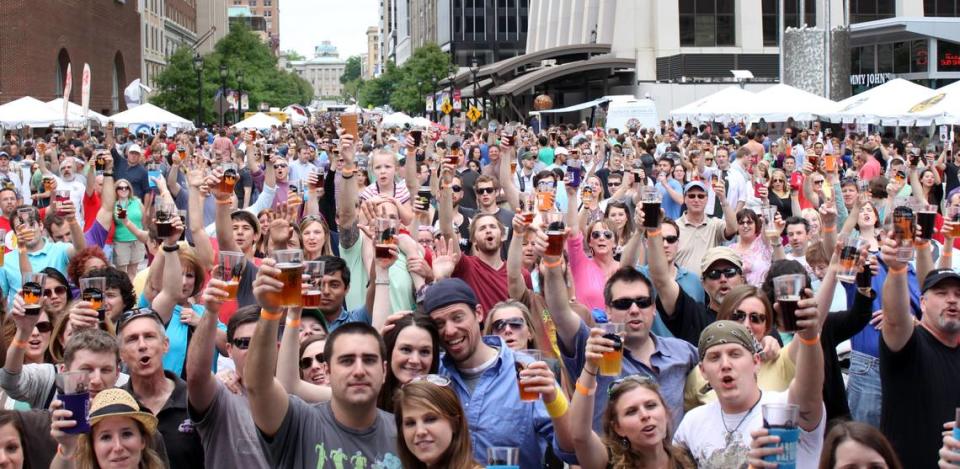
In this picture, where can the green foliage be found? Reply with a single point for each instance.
(403, 87)
(352, 71)
(292, 55)
(240, 50)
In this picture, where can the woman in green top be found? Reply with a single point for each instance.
(128, 252)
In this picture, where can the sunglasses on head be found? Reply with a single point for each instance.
(625, 303)
(437, 380)
(605, 233)
(729, 272)
(485, 190)
(59, 290)
(241, 343)
(307, 362)
(44, 327)
(755, 318)
(137, 313)
(640, 379)
(516, 324)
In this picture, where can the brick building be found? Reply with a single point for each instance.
(38, 38)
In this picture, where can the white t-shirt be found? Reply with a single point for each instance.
(704, 434)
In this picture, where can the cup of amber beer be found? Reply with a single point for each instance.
(313, 279)
(555, 233)
(386, 237)
(848, 259)
(91, 290)
(611, 363)
(229, 269)
(290, 263)
(228, 179)
(528, 207)
(523, 359)
(904, 228)
(32, 290)
(953, 215)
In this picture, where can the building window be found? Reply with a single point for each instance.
(770, 11)
(920, 59)
(253, 3)
(948, 56)
(268, 3)
(943, 8)
(268, 13)
(870, 10)
(707, 23)
(885, 58)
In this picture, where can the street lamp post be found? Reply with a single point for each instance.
(198, 65)
(239, 93)
(453, 77)
(474, 68)
(223, 90)
(420, 94)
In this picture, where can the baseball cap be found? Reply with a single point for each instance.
(725, 332)
(939, 275)
(694, 185)
(447, 292)
(134, 148)
(720, 253)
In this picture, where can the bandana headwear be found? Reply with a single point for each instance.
(725, 332)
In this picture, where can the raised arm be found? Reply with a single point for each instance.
(268, 400)
(348, 198)
(573, 216)
(288, 371)
(516, 287)
(806, 389)
(729, 212)
(222, 220)
(590, 449)
(201, 384)
(108, 197)
(558, 299)
(897, 321)
(172, 274)
(201, 240)
(668, 290)
(507, 179)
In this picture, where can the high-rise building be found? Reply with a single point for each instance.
(270, 11)
(211, 15)
(40, 37)
(152, 40)
(180, 25)
(371, 60)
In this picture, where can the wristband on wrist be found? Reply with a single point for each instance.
(559, 406)
(20, 344)
(293, 323)
(550, 265)
(585, 391)
(269, 315)
(829, 229)
(223, 202)
(810, 342)
(174, 248)
(652, 233)
(108, 175)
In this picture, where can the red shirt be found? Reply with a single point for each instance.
(91, 205)
(870, 170)
(488, 284)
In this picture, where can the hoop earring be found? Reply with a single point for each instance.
(624, 442)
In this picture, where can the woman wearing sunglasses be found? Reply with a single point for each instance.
(313, 365)
(754, 249)
(432, 428)
(636, 421)
(30, 336)
(589, 273)
(127, 250)
(778, 193)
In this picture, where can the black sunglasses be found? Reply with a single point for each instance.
(278, 166)
(605, 233)
(485, 190)
(516, 324)
(671, 239)
(456, 188)
(59, 290)
(44, 327)
(307, 362)
(137, 313)
(241, 343)
(698, 195)
(729, 272)
(123, 188)
(625, 303)
(755, 318)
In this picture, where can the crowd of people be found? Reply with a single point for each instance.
(341, 295)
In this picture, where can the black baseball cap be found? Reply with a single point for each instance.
(447, 292)
(939, 275)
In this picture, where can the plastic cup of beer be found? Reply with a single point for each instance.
(528, 206)
(76, 398)
(164, 218)
(787, 290)
(25, 225)
(31, 287)
(502, 457)
(848, 259)
(92, 290)
(229, 269)
(228, 179)
(513, 165)
(769, 214)
(783, 421)
(422, 201)
(904, 229)
(523, 359)
(48, 183)
(386, 237)
(555, 233)
(650, 198)
(926, 217)
(830, 163)
(953, 215)
(61, 196)
(290, 263)
(611, 363)
(313, 279)
(587, 194)
(545, 196)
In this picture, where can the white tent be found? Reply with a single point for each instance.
(397, 119)
(730, 103)
(295, 116)
(882, 104)
(780, 103)
(75, 112)
(151, 116)
(421, 122)
(940, 107)
(28, 111)
(259, 121)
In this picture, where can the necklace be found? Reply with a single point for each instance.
(728, 439)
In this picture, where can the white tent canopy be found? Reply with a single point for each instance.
(940, 107)
(421, 122)
(730, 103)
(780, 103)
(397, 119)
(882, 104)
(28, 111)
(152, 116)
(259, 121)
(75, 112)
(294, 117)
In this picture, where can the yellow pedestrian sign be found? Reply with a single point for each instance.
(473, 114)
(446, 107)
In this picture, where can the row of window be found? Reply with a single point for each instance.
(904, 57)
(470, 20)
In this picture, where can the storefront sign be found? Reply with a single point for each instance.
(870, 79)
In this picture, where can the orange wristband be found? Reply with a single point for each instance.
(653, 233)
(829, 229)
(224, 202)
(811, 342)
(293, 323)
(20, 344)
(583, 390)
(270, 316)
(550, 265)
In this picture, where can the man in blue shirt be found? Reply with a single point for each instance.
(483, 374)
(671, 190)
(40, 252)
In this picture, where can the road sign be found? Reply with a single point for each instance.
(473, 114)
(446, 107)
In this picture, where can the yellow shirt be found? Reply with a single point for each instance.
(773, 376)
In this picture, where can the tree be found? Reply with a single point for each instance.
(292, 55)
(240, 50)
(352, 71)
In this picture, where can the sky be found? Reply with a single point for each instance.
(306, 23)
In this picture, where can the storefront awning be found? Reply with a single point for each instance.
(524, 82)
(575, 107)
(905, 27)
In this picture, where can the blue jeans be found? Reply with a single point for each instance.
(863, 388)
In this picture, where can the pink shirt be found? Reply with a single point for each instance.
(870, 170)
(588, 277)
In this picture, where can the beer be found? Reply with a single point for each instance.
(228, 180)
(311, 298)
(528, 217)
(545, 200)
(48, 184)
(848, 264)
(926, 220)
(955, 231)
(611, 363)
(121, 211)
(651, 214)
(349, 123)
(423, 198)
(524, 394)
(99, 163)
(61, 197)
(865, 277)
(452, 158)
(94, 296)
(788, 312)
(32, 292)
(830, 163)
(555, 238)
(587, 194)
(231, 288)
(417, 137)
(386, 238)
(164, 228)
(904, 231)
(291, 274)
(813, 161)
(513, 167)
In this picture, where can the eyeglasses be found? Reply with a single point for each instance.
(516, 324)
(485, 190)
(241, 343)
(278, 166)
(671, 239)
(59, 290)
(708, 159)
(123, 188)
(625, 303)
(613, 184)
(605, 233)
(818, 182)
(698, 195)
(438, 380)
(44, 327)
(755, 318)
(456, 188)
(639, 379)
(729, 272)
(779, 180)
(307, 362)
(137, 313)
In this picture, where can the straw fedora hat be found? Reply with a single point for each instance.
(116, 402)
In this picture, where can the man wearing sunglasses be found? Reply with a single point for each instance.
(487, 190)
(698, 232)
(222, 418)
